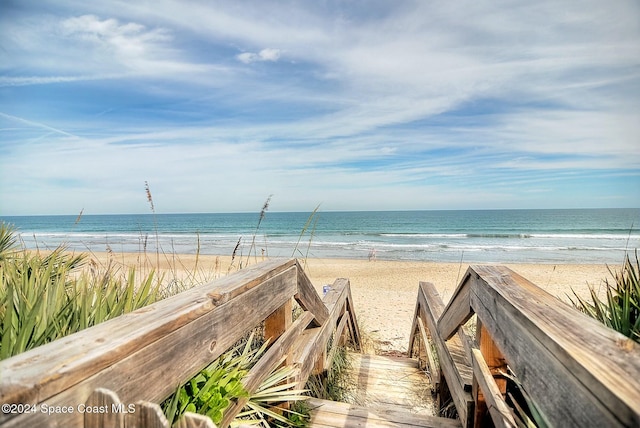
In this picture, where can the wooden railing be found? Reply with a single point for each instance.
(576, 371)
(122, 368)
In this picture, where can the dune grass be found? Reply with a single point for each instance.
(620, 309)
(44, 297)
(334, 384)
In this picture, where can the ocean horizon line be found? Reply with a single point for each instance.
(538, 235)
(82, 214)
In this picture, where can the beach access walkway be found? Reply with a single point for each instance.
(500, 344)
(393, 391)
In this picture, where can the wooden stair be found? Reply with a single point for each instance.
(390, 380)
(392, 392)
(332, 414)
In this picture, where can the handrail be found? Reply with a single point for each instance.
(447, 374)
(143, 355)
(577, 371)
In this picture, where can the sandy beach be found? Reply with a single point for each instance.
(384, 292)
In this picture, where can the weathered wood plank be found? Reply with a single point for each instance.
(383, 362)
(431, 309)
(312, 342)
(272, 358)
(308, 298)
(194, 420)
(353, 322)
(170, 356)
(434, 368)
(83, 354)
(458, 310)
(333, 414)
(494, 360)
(146, 415)
(337, 335)
(337, 295)
(246, 279)
(278, 322)
(103, 410)
(590, 379)
(389, 380)
(414, 326)
(493, 396)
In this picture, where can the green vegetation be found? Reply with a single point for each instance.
(335, 384)
(44, 297)
(621, 308)
(215, 388)
(273, 391)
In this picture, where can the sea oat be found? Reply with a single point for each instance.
(265, 207)
(217, 268)
(155, 222)
(233, 255)
(79, 217)
(149, 197)
(263, 212)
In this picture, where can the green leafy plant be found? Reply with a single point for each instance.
(8, 241)
(620, 310)
(272, 391)
(212, 390)
(44, 297)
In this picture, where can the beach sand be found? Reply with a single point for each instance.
(384, 292)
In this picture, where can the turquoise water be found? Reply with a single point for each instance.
(532, 236)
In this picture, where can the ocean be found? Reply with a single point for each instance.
(589, 236)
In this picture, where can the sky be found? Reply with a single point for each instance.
(353, 105)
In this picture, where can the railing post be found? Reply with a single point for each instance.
(278, 322)
(148, 415)
(103, 410)
(275, 325)
(497, 365)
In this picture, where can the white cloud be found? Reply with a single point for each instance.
(125, 41)
(402, 92)
(44, 80)
(267, 54)
(50, 50)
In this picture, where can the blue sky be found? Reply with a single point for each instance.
(355, 105)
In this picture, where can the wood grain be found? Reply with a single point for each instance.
(573, 367)
(150, 353)
(308, 299)
(493, 396)
(451, 355)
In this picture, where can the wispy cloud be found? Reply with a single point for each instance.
(267, 54)
(364, 105)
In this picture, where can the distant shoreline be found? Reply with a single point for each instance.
(505, 236)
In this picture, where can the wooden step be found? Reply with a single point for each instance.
(387, 380)
(326, 414)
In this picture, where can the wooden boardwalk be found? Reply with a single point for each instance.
(557, 353)
(392, 391)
